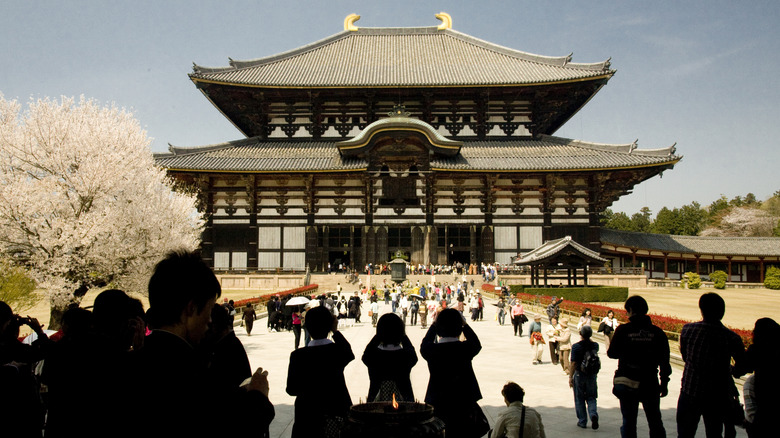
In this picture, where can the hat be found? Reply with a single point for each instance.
(564, 322)
(539, 317)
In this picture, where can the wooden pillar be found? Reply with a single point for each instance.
(472, 244)
(568, 276)
(761, 267)
(728, 274)
(547, 200)
(575, 276)
(666, 266)
(206, 205)
(351, 261)
(545, 275)
(585, 275)
(252, 249)
(633, 257)
(325, 250)
(697, 263)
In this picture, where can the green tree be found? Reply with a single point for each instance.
(716, 210)
(666, 221)
(617, 221)
(641, 221)
(17, 289)
(692, 219)
(772, 205)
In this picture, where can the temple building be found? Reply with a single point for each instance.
(421, 140)
(664, 256)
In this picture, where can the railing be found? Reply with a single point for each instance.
(263, 271)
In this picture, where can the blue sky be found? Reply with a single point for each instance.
(703, 74)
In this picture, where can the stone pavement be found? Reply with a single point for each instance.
(503, 358)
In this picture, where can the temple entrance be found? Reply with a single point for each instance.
(464, 257)
(343, 258)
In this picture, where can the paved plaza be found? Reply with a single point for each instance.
(504, 357)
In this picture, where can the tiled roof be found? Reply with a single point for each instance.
(743, 246)
(546, 153)
(253, 155)
(551, 153)
(381, 57)
(549, 249)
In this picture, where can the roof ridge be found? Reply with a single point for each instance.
(626, 148)
(237, 65)
(556, 61)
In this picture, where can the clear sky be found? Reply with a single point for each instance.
(703, 74)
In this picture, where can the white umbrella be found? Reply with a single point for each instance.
(32, 337)
(297, 301)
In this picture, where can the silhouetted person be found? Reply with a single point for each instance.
(76, 373)
(707, 348)
(390, 357)
(453, 389)
(321, 403)
(249, 315)
(228, 363)
(21, 413)
(642, 349)
(174, 393)
(762, 387)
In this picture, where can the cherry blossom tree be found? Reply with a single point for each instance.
(744, 222)
(82, 202)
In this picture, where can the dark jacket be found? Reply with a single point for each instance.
(452, 378)
(393, 365)
(642, 349)
(316, 378)
(174, 395)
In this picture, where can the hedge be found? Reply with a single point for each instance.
(590, 294)
(669, 324)
(518, 288)
(303, 290)
(718, 279)
(693, 280)
(772, 278)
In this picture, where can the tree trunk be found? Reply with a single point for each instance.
(57, 311)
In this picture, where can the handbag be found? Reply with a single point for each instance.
(370, 313)
(623, 387)
(476, 422)
(736, 412)
(387, 389)
(332, 426)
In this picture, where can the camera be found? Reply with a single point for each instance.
(22, 321)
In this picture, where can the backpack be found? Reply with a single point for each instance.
(590, 364)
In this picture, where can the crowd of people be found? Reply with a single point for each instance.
(165, 371)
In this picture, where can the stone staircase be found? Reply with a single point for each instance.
(328, 282)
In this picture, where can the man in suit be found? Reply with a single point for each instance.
(322, 399)
(172, 393)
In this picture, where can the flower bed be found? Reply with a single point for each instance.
(304, 290)
(669, 324)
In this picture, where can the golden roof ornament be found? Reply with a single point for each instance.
(349, 22)
(399, 111)
(446, 20)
